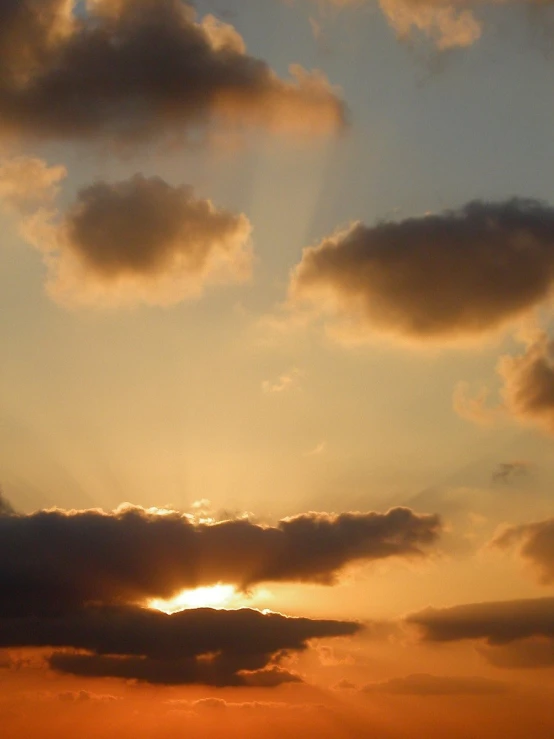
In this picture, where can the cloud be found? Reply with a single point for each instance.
(85, 696)
(446, 25)
(139, 240)
(345, 685)
(474, 407)
(529, 383)
(533, 653)
(133, 555)
(527, 388)
(286, 381)
(270, 677)
(317, 450)
(211, 647)
(137, 69)
(27, 182)
(497, 623)
(219, 704)
(535, 544)
(434, 685)
(6, 508)
(507, 472)
(459, 274)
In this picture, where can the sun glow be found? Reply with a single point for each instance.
(213, 596)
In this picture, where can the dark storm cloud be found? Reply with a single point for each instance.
(212, 647)
(497, 623)
(535, 543)
(435, 685)
(126, 69)
(54, 560)
(142, 239)
(456, 274)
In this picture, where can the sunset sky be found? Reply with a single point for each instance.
(277, 380)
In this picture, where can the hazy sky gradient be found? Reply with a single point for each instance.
(234, 395)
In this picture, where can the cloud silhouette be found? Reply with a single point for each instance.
(136, 69)
(141, 240)
(205, 646)
(497, 623)
(535, 544)
(55, 560)
(533, 653)
(527, 388)
(441, 277)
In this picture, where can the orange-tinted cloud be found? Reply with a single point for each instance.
(138, 69)
(528, 379)
(532, 653)
(27, 182)
(438, 277)
(497, 623)
(133, 555)
(202, 646)
(527, 388)
(139, 240)
(535, 544)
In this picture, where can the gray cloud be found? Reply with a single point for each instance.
(446, 24)
(211, 647)
(497, 623)
(134, 69)
(142, 240)
(439, 277)
(528, 379)
(507, 472)
(435, 685)
(527, 388)
(133, 555)
(524, 654)
(535, 544)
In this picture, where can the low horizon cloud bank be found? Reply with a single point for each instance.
(197, 646)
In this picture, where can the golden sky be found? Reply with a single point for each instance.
(277, 380)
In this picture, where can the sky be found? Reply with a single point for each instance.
(277, 380)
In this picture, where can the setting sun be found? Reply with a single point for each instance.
(214, 596)
(277, 377)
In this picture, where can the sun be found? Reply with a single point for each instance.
(213, 596)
